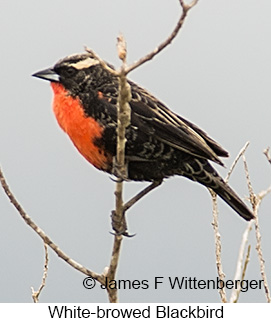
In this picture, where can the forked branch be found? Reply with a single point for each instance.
(35, 295)
(166, 42)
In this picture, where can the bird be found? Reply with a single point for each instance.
(159, 142)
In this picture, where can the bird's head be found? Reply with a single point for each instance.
(76, 71)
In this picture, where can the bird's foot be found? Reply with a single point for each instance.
(119, 225)
(120, 172)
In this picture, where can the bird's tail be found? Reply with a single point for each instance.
(234, 201)
(207, 176)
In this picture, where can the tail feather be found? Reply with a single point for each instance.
(233, 200)
(201, 171)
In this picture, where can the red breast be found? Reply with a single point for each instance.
(82, 130)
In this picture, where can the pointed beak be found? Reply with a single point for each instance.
(48, 75)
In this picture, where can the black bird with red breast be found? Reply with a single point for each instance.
(159, 143)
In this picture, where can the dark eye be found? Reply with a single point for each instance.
(70, 71)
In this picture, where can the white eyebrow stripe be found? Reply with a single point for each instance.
(86, 63)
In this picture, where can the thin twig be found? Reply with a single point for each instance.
(220, 272)
(101, 61)
(259, 246)
(246, 262)
(35, 295)
(241, 153)
(215, 225)
(239, 264)
(261, 259)
(238, 272)
(243, 272)
(141, 194)
(43, 236)
(252, 196)
(164, 44)
(152, 54)
(267, 154)
(255, 201)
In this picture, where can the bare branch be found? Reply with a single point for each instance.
(217, 234)
(261, 259)
(255, 201)
(101, 61)
(122, 48)
(124, 116)
(111, 273)
(246, 262)
(141, 194)
(43, 236)
(252, 196)
(244, 268)
(221, 274)
(164, 44)
(35, 295)
(242, 151)
(267, 154)
(122, 51)
(188, 6)
(238, 271)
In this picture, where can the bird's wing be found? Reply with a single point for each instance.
(169, 128)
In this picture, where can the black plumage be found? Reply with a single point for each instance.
(159, 144)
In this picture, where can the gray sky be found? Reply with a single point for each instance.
(216, 74)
